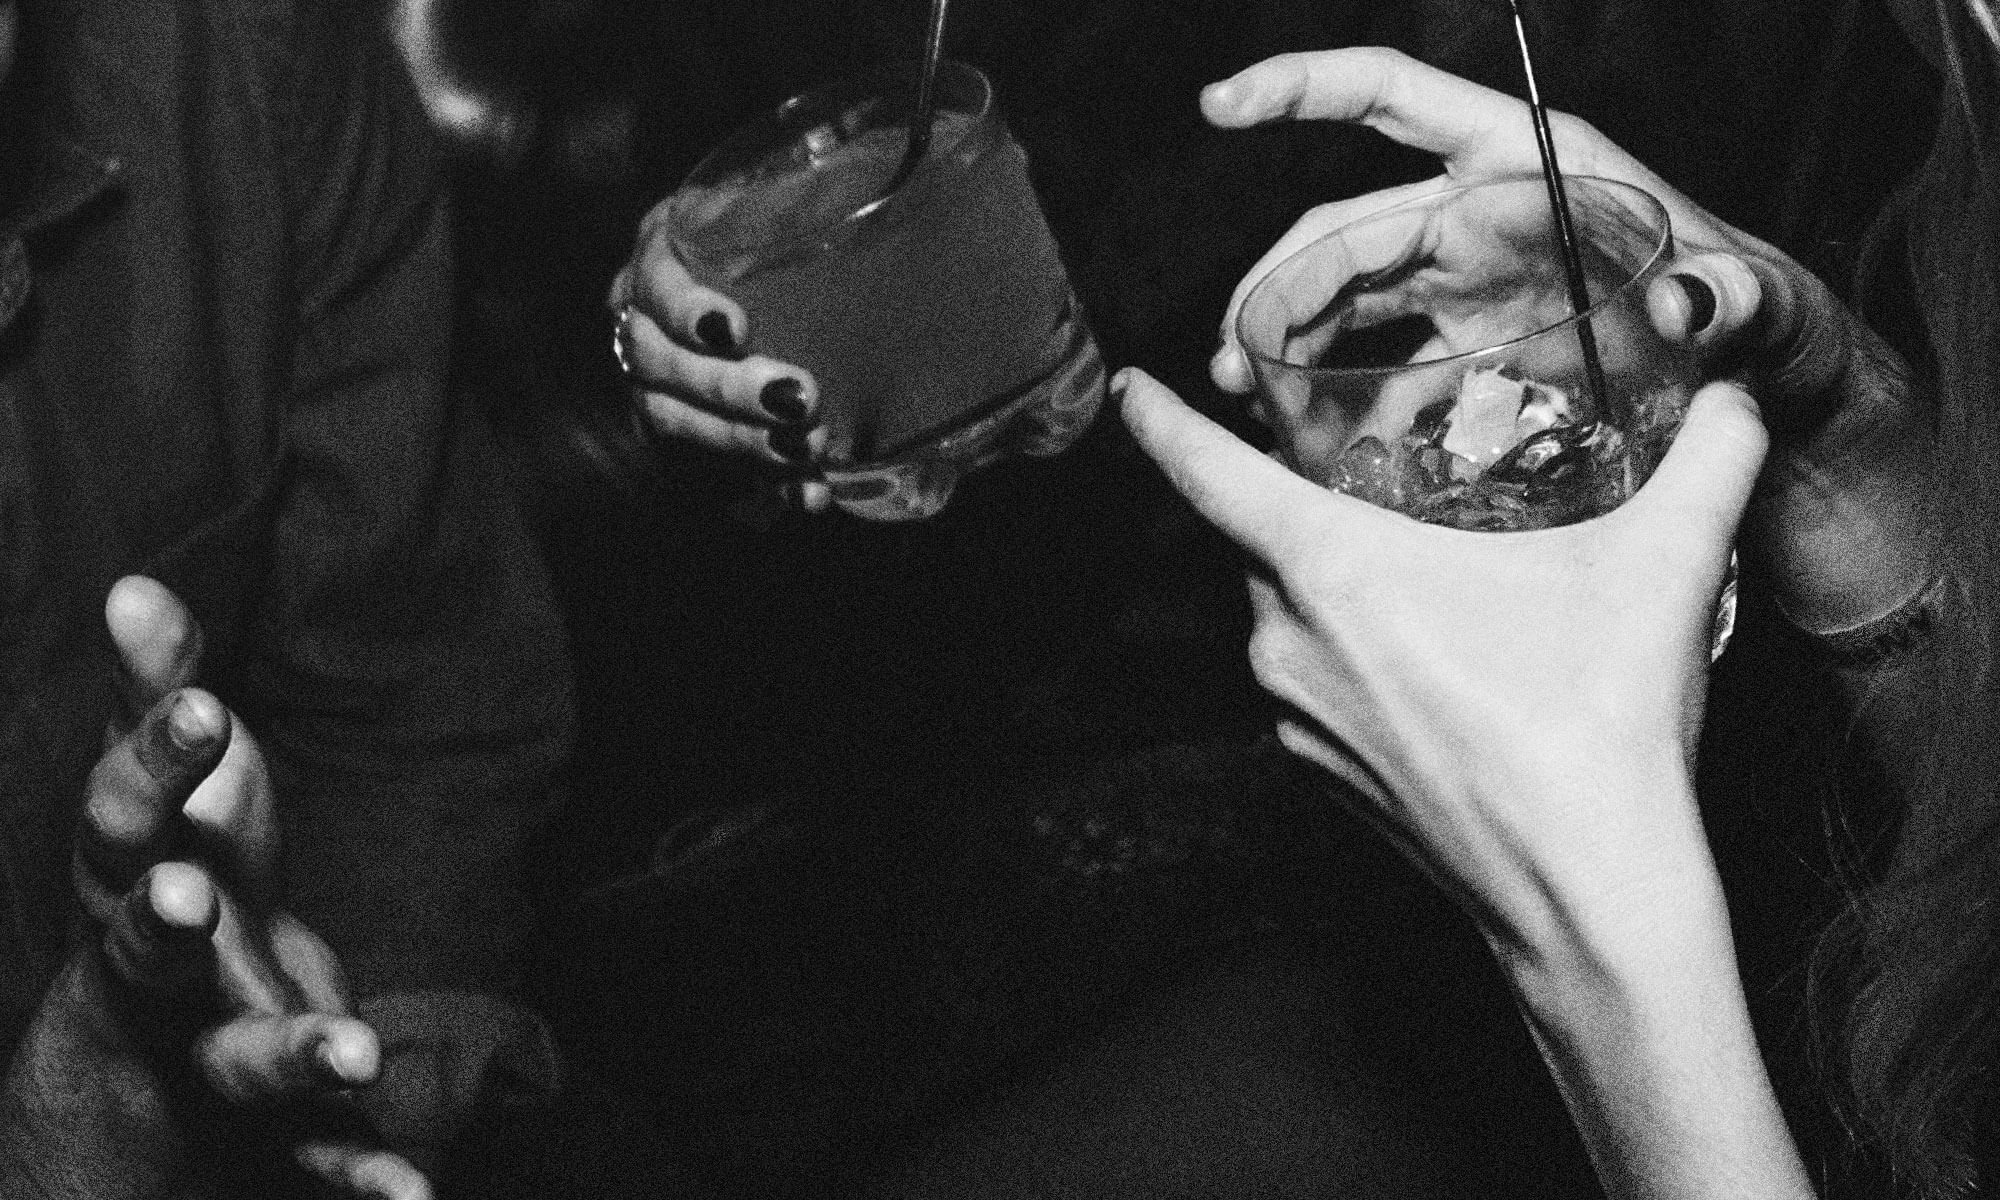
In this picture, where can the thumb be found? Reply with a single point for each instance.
(1766, 319)
(1706, 478)
(1246, 495)
(159, 642)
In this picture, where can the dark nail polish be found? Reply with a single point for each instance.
(713, 330)
(1701, 301)
(784, 399)
(791, 444)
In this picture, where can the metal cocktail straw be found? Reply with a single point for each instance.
(924, 110)
(1572, 259)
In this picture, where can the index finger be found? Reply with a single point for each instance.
(132, 810)
(660, 285)
(1475, 130)
(1384, 89)
(1251, 499)
(159, 641)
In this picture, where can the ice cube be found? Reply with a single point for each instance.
(1543, 406)
(1369, 470)
(1482, 422)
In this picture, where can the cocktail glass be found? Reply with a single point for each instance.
(937, 319)
(1427, 358)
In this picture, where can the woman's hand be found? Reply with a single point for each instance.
(1521, 708)
(679, 344)
(1518, 712)
(203, 1024)
(1843, 511)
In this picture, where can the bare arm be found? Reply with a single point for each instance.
(1520, 712)
(1647, 1034)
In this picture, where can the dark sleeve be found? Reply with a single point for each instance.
(408, 675)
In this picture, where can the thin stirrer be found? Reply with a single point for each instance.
(1579, 289)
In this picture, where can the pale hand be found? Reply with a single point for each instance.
(1843, 512)
(1517, 712)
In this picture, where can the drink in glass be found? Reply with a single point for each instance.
(937, 318)
(1427, 358)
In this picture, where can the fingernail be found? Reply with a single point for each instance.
(1116, 387)
(1701, 301)
(791, 444)
(179, 905)
(325, 1058)
(713, 330)
(189, 726)
(784, 399)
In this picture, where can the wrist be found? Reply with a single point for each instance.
(1630, 870)
(1648, 1036)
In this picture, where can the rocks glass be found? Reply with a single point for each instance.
(936, 318)
(1426, 357)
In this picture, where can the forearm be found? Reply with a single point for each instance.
(1640, 1015)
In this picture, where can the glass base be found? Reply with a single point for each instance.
(1724, 624)
(1043, 419)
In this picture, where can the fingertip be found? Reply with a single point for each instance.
(183, 734)
(1680, 306)
(1230, 370)
(361, 1172)
(1704, 300)
(1728, 407)
(1713, 462)
(1130, 389)
(158, 939)
(156, 636)
(719, 332)
(183, 899)
(347, 1054)
(196, 721)
(134, 599)
(1222, 102)
(813, 495)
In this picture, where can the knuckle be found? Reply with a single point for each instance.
(1570, 128)
(115, 810)
(1384, 59)
(1270, 656)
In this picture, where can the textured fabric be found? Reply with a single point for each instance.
(231, 371)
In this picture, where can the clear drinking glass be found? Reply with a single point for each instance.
(1426, 358)
(937, 319)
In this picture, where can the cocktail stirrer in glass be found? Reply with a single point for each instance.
(1579, 290)
(924, 109)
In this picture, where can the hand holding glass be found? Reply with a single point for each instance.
(1426, 358)
(936, 317)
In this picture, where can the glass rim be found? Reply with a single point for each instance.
(879, 81)
(1662, 245)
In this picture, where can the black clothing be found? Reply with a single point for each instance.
(224, 258)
